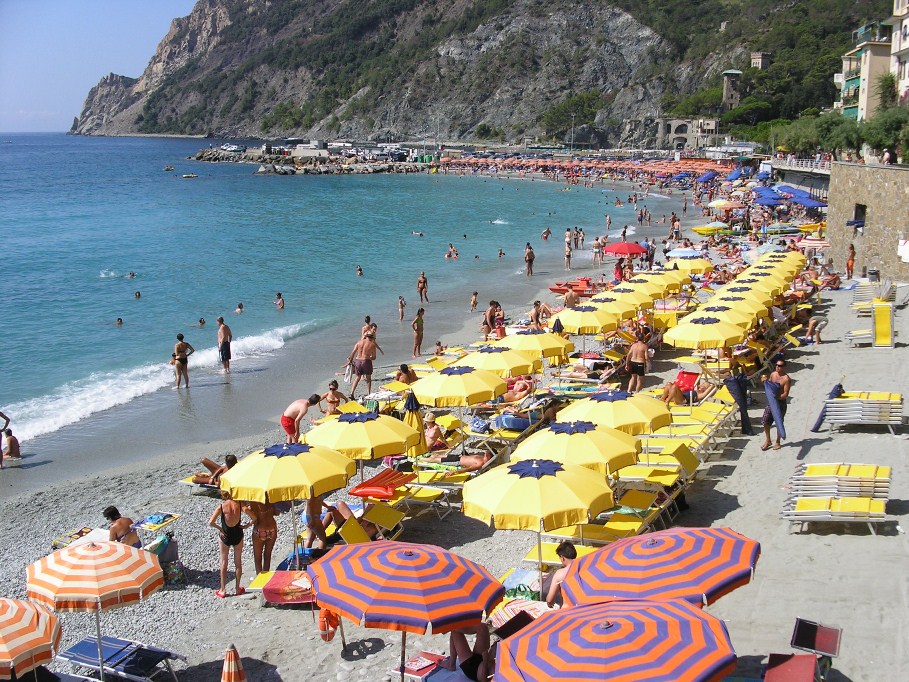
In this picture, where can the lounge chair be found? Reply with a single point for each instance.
(42, 674)
(201, 488)
(865, 408)
(865, 510)
(550, 558)
(840, 480)
(123, 658)
(792, 668)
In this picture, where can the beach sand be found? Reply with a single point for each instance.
(841, 576)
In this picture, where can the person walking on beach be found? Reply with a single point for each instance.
(636, 364)
(360, 358)
(293, 415)
(850, 260)
(423, 287)
(401, 305)
(224, 338)
(529, 257)
(182, 351)
(230, 529)
(568, 256)
(417, 326)
(781, 377)
(279, 301)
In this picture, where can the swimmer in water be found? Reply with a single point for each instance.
(119, 322)
(239, 308)
(130, 275)
(359, 271)
(201, 321)
(138, 295)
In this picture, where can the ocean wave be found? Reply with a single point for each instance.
(499, 221)
(107, 274)
(101, 391)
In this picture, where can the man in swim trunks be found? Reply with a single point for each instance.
(293, 415)
(636, 364)
(224, 338)
(361, 357)
(215, 470)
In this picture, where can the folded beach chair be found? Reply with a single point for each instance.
(882, 324)
(122, 658)
(865, 408)
(840, 480)
(835, 510)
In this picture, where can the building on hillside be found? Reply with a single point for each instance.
(862, 65)
(731, 94)
(899, 47)
(685, 133)
(761, 60)
(865, 203)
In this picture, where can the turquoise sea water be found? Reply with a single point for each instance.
(78, 214)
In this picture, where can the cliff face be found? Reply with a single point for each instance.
(402, 68)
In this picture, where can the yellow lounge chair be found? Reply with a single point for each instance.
(865, 510)
(550, 558)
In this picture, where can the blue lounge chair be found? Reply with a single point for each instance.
(122, 658)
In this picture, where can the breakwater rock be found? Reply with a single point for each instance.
(276, 164)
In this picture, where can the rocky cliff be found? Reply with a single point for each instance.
(503, 69)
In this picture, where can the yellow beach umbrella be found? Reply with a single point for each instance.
(737, 290)
(704, 332)
(458, 386)
(582, 443)
(537, 495)
(615, 306)
(584, 319)
(727, 313)
(414, 419)
(769, 285)
(288, 471)
(506, 362)
(675, 276)
(631, 295)
(538, 342)
(654, 287)
(696, 266)
(741, 304)
(364, 435)
(620, 410)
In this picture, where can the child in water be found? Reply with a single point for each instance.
(473, 302)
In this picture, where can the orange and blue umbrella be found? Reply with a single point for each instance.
(698, 565)
(405, 587)
(620, 641)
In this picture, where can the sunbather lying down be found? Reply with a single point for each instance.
(581, 371)
(215, 470)
(338, 514)
(673, 394)
(465, 462)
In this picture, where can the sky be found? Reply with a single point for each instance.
(52, 52)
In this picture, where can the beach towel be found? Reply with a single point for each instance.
(738, 388)
(772, 389)
(835, 393)
(289, 587)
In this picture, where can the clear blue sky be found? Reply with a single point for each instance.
(52, 52)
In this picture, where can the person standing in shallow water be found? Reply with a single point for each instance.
(423, 287)
(182, 351)
(224, 338)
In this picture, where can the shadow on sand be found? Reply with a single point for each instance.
(211, 671)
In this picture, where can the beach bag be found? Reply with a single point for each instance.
(174, 573)
(479, 425)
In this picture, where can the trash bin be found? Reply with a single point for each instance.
(874, 275)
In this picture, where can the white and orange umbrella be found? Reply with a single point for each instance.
(233, 666)
(94, 577)
(29, 634)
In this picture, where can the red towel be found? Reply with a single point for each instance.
(289, 587)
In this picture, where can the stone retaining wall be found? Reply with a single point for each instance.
(884, 191)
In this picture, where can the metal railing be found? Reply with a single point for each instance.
(807, 165)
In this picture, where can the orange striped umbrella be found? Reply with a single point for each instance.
(699, 565)
(29, 633)
(620, 641)
(94, 577)
(405, 587)
(233, 666)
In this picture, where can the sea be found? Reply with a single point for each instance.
(94, 229)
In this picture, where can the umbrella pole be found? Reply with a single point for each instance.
(403, 649)
(540, 557)
(293, 517)
(343, 638)
(98, 629)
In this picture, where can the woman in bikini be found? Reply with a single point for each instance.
(417, 326)
(182, 351)
(227, 519)
(423, 287)
(405, 375)
(121, 528)
(265, 532)
(333, 398)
